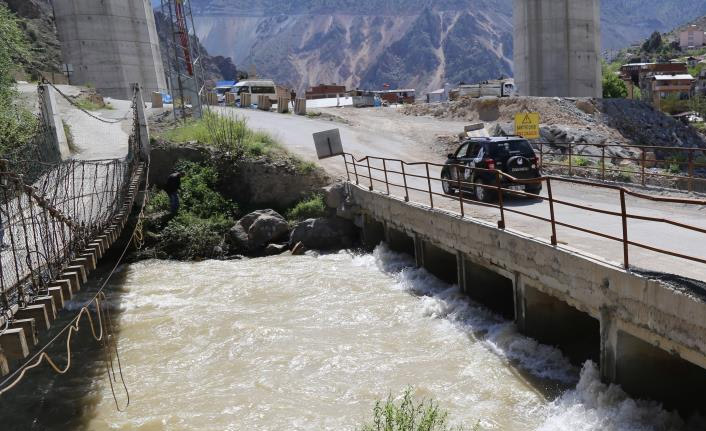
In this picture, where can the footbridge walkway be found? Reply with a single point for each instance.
(58, 218)
(638, 308)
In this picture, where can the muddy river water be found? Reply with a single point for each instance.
(310, 343)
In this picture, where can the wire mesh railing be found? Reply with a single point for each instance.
(424, 183)
(50, 215)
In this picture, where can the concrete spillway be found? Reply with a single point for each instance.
(557, 48)
(110, 44)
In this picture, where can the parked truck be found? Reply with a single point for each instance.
(497, 88)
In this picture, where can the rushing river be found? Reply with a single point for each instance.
(310, 342)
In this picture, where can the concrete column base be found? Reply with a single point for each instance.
(30, 329)
(37, 312)
(65, 286)
(83, 262)
(48, 303)
(4, 364)
(74, 279)
(14, 344)
(58, 296)
(80, 270)
(418, 251)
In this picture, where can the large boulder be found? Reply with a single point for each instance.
(256, 230)
(324, 234)
(335, 195)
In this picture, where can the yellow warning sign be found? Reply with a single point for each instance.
(527, 125)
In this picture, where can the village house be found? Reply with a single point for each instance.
(692, 37)
(657, 88)
(324, 91)
(634, 74)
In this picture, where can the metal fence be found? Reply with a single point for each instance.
(681, 168)
(415, 180)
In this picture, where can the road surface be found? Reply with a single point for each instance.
(411, 144)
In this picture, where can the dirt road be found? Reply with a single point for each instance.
(395, 136)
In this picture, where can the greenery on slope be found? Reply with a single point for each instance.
(17, 125)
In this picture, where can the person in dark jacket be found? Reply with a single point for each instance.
(172, 189)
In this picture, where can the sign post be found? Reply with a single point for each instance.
(527, 125)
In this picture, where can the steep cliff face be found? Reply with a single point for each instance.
(415, 43)
(38, 24)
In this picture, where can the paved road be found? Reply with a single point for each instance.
(361, 139)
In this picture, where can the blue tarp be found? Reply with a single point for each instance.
(225, 83)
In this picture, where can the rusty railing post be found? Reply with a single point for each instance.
(404, 179)
(460, 192)
(541, 154)
(370, 174)
(387, 183)
(644, 162)
(691, 170)
(571, 157)
(603, 163)
(431, 196)
(348, 172)
(501, 223)
(355, 171)
(551, 211)
(623, 213)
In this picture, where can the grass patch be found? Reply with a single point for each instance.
(313, 114)
(69, 137)
(406, 414)
(228, 133)
(312, 207)
(88, 105)
(580, 161)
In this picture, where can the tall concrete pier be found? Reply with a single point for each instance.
(557, 48)
(110, 44)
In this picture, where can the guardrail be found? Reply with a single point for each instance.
(674, 163)
(379, 174)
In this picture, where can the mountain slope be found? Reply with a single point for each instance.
(404, 43)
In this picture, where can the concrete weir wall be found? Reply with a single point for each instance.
(647, 336)
(110, 44)
(557, 48)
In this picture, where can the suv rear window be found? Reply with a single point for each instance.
(511, 148)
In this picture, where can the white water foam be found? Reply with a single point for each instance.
(590, 406)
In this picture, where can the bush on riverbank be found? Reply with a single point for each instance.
(203, 219)
(409, 415)
(312, 207)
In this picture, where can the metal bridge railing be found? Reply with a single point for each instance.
(685, 167)
(406, 180)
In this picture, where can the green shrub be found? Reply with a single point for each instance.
(188, 237)
(580, 161)
(409, 415)
(198, 195)
(312, 207)
(228, 133)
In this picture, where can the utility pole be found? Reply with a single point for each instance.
(185, 64)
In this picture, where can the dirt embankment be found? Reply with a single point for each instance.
(579, 120)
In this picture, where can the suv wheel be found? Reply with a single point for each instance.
(533, 190)
(445, 183)
(483, 194)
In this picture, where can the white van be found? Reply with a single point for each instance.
(255, 88)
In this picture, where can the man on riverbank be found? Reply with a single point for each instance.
(172, 188)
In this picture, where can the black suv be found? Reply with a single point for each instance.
(511, 155)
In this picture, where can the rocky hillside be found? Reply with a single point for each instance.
(417, 43)
(38, 23)
(216, 68)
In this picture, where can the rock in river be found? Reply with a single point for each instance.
(324, 233)
(257, 229)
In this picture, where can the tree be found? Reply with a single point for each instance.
(653, 43)
(613, 86)
(17, 125)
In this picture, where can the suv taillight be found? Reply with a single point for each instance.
(490, 164)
